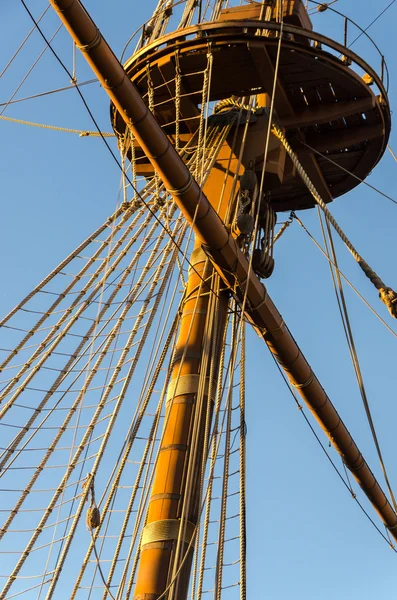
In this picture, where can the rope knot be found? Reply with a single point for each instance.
(389, 297)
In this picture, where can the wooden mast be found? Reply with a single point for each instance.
(174, 494)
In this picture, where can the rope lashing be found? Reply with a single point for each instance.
(231, 103)
(386, 294)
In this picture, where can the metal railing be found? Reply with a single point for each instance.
(350, 31)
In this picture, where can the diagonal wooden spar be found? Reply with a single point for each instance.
(220, 245)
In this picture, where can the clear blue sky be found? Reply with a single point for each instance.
(307, 538)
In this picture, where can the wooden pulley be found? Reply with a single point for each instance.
(93, 517)
(267, 214)
(244, 224)
(249, 181)
(262, 263)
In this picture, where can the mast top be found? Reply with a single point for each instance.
(331, 104)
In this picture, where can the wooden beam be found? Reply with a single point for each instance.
(265, 68)
(344, 138)
(325, 113)
(309, 162)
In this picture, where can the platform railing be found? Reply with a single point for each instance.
(350, 32)
(347, 32)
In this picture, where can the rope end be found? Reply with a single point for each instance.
(389, 297)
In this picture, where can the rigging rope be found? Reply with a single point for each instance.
(77, 352)
(79, 132)
(17, 51)
(391, 152)
(216, 143)
(153, 292)
(346, 484)
(283, 228)
(76, 301)
(122, 460)
(340, 167)
(61, 266)
(225, 475)
(93, 520)
(31, 68)
(148, 479)
(60, 433)
(242, 463)
(386, 294)
(93, 515)
(49, 92)
(231, 368)
(340, 296)
(95, 122)
(54, 341)
(372, 22)
(178, 83)
(102, 136)
(355, 290)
